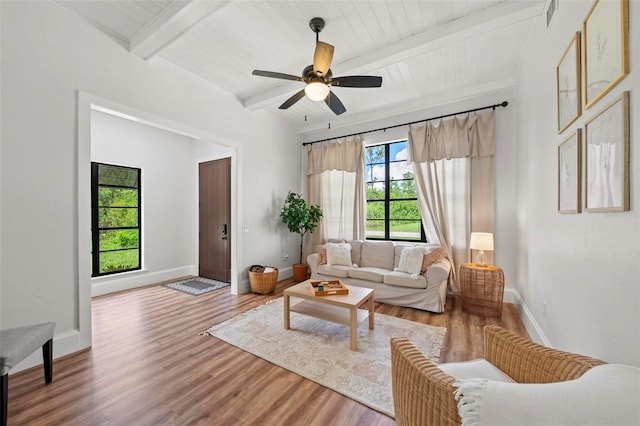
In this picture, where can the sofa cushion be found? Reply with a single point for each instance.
(356, 251)
(338, 254)
(411, 260)
(368, 273)
(377, 254)
(339, 271)
(403, 279)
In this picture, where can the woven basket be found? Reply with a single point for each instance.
(263, 283)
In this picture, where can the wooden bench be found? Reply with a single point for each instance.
(16, 344)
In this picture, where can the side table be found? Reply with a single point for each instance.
(482, 289)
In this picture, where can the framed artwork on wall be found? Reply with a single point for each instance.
(605, 33)
(568, 84)
(569, 171)
(607, 158)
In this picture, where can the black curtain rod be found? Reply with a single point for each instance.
(502, 104)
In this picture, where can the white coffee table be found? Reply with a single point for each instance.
(341, 309)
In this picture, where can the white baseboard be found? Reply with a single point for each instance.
(64, 343)
(128, 280)
(511, 295)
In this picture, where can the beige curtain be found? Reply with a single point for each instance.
(453, 167)
(335, 182)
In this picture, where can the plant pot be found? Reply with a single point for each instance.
(300, 272)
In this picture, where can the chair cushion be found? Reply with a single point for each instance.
(403, 279)
(605, 395)
(16, 344)
(476, 369)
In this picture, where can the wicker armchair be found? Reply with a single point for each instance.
(424, 395)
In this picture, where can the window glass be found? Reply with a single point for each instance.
(115, 218)
(392, 204)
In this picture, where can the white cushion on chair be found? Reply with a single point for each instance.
(605, 395)
(476, 369)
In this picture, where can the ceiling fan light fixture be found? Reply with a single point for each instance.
(316, 91)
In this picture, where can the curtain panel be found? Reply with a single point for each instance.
(335, 182)
(453, 166)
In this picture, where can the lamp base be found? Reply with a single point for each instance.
(480, 259)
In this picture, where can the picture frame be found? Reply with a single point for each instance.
(568, 87)
(569, 173)
(605, 33)
(607, 158)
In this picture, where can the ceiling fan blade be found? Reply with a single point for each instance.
(357, 81)
(322, 58)
(334, 103)
(292, 100)
(277, 75)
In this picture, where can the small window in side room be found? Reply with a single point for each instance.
(115, 219)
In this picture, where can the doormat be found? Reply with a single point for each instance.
(197, 286)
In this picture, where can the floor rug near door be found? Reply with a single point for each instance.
(197, 286)
(319, 350)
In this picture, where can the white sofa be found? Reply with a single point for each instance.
(372, 266)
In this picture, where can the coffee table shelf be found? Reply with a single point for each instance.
(343, 309)
(334, 314)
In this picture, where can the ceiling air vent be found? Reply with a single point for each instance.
(553, 5)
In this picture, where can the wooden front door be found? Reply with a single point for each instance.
(215, 220)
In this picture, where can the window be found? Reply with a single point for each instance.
(392, 204)
(115, 219)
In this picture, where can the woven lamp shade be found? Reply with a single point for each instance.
(482, 289)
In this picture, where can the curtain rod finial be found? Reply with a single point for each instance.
(504, 104)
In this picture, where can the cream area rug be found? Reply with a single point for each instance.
(319, 350)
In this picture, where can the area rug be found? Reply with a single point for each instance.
(319, 350)
(197, 286)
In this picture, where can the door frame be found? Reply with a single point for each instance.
(81, 337)
(232, 220)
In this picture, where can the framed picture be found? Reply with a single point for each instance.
(605, 33)
(568, 84)
(607, 158)
(569, 171)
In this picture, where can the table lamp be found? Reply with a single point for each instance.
(481, 241)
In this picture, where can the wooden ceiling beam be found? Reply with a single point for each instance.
(170, 25)
(502, 15)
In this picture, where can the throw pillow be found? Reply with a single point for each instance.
(338, 254)
(431, 255)
(411, 260)
(322, 251)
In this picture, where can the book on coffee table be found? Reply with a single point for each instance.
(328, 287)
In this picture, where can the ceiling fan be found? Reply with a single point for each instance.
(318, 76)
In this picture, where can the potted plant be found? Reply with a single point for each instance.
(300, 218)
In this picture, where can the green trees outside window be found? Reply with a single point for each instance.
(115, 219)
(392, 203)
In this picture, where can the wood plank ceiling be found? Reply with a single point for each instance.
(428, 52)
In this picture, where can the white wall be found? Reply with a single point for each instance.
(583, 266)
(168, 203)
(49, 58)
(505, 199)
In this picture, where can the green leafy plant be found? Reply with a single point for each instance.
(299, 217)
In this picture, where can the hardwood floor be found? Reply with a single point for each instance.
(149, 366)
